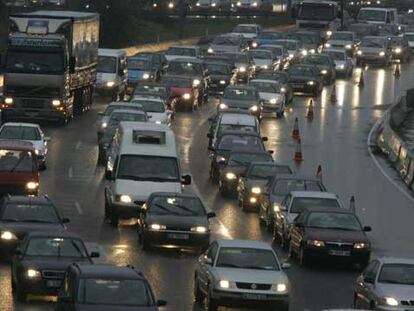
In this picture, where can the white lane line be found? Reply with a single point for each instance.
(390, 179)
(70, 172)
(79, 208)
(78, 145)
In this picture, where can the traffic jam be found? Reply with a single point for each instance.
(185, 143)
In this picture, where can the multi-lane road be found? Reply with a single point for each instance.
(337, 138)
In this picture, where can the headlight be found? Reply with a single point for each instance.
(312, 51)
(276, 207)
(171, 5)
(155, 5)
(254, 44)
(280, 288)
(33, 273)
(391, 301)
(7, 235)
(256, 190)
(186, 96)
(310, 83)
(104, 125)
(242, 69)
(56, 102)
(223, 106)
(158, 122)
(264, 66)
(220, 159)
(304, 52)
(329, 33)
(273, 101)
(359, 52)
(158, 227)
(110, 83)
(283, 90)
(199, 229)
(398, 50)
(196, 82)
(254, 108)
(210, 50)
(145, 76)
(361, 245)
(316, 243)
(31, 185)
(348, 46)
(341, 66)
(224, 284)
(37, 151)
(327, 45)
(324, 72)
(239, 3)
(222, 82)
(231, 176)
(254, 4)
(8, 100)
(124, 198)
(213, 5)
(291, 55)
(382, 53)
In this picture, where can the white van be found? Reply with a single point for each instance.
(378, 16)
(142, 159)
(112, 73)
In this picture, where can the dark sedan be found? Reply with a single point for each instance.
(305, 79)
(221, 75)
(174, 220)
(39, 265)
(20, 215)
(241, 97)
(325, 64)
(235, 166)
(330, 234)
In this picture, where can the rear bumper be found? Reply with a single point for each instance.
(177, 238)
(372, 59)
(355, 256)
(40, 286)
(246, 299)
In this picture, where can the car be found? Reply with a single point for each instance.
(222, 58)
(20, 215)
(221, 75)
(156, 109)
(228, 43)
(29, 132)
(232, 141)
(152, 89)
(262, 59)
(277, 189)
(293, 204)
(387, 283)
(241, 97)
(280, 76)
(325, 64)
(362, 30)
(305, 79)
(182, 51)
(141, 68)
(248, 31)
(244, 66)
(103, 286)
(248, 6)
(311, 40)
(254, 181)
(174, 220)
(234, 166)
(410, 38)
(374, 50)
(400, 48)
(119, 115)
(273, 100)
(184, 94)
(332, 234)
(280, 57)
(241, 273)
(344, 66)
(292, 47)
(343, 40)
(267, 37)
(106, 114)
(208, 6)
(39, 264)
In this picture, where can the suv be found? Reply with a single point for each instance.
(98, 287)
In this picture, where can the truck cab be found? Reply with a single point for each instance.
(378, 16)
(112, 73)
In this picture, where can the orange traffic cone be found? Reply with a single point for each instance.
(309, 115)
(352, 204)
(333, 94)
(397, 72)
(298, 152)
(295, 133)
(361, 82)
(319, 173)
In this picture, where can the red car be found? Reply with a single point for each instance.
(184, 95)
(19, 171)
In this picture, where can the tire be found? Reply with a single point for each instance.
(211, 305)
(303, 259)
(280, 114)
(355, 303)
(198, 295)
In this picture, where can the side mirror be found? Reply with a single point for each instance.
(286, 265)
(94, 255)
(161, 303)
(47, 139)
(109, 175)
(211, 214)
(72, 64)
(186, 179)
(367, 229)
(65, 220)
(264, 138)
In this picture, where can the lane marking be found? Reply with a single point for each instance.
(78, 208)
(78, 145)
(390, 179)
(70, 172)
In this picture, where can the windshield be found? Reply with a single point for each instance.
(241, 143)
(336, 55)
(114, 292)
(316, 12)
(397, 274)
(247, 258)
(289, 45)
(371, 15)
(278, 51)
(29, 213)
(243, 159)
(302, 71)
(396, 41)
(299, 204)
(148, 168)
(238, 57)
(237, 127)
(268, 171)
(226, 41)
(341, 221)
(270, 35)
(106, 64)
(55, 247)
(245, 29)
(35, 62)
(373, 42)
(185, 68)
(316, 60)
(177, 206)
(178, 82)
(138, 64)
(20, 132)
(342, 36)
(151, 106)
(218, 69)
(117, 117)
(161, 90)
(307, 38)
(16, 161)
(266, 87)
(240, 94)
(284, 186)
(111, 108)
(261, 54)
(178, 51)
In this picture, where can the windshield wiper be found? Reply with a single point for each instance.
(18, 162)
(186, 209)
(336, 228)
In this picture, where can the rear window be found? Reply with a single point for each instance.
(299, 204)
(284, 186)
(246, 143)
(20, 132)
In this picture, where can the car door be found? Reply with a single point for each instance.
(204, 268)
(365, 284)
(296, 231)
(281, 214)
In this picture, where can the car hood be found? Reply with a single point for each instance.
(243, 104)
(371, 50)
(51, 263)
(217, 77)
(251, 276)
(339, 42)
(397, 291)
(333, 235)
(303, 78)
(22, 229)
(80, 307)
(323, 67)
(177, 221)
(140, 190)
(339, 63)
(268, 96)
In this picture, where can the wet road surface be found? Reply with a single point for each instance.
(336, 139)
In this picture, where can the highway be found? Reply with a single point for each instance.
(336, 138)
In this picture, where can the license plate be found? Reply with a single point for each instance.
(53, 283)
(297, 86)
(339, 253)
(177, 236)
(254, 297)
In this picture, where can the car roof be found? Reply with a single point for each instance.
(109, 271)
(297, 177)
(111, 52)
(396, 260)
(135, 100)
(15, 144)
(122, 104)
(244, 244)
(238, 118)
(23, 124)
(332, 210)
(187, 60)
(313, 194)
(242, 87)
(268, 163)
(29, 199)
(239, 133)
(250, 25)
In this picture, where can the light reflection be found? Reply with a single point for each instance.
(340, 92)
(355, 96)
(379, 88)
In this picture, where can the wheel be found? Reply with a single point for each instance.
(198, 295)
(303, 260)
(280, 114)
(145, 245)
(211, 305)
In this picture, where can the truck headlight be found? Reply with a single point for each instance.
(56, 102)
(33, 273)
(361, 245)
(196, 82)
(231, 176)
(256, 190)
(8, 236)
(316, 243)
(9, 100)
(158, 227)
(242, 69)
(382, 53)
(145, 76)
(124, 198)
(110, 83)
(186, 96)
(199, 229)
(254, 108)
(359, 52)
(32, 185)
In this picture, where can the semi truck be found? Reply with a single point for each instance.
(51, 62)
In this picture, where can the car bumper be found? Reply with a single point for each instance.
(125, 211)
(304, 87)
(329, 253)
(251, 201)
(229, 186)
(32, 113)
(248, 299)
(271, 108)
(41, 286)
(372, 59)
(217, 87)
(171, 238)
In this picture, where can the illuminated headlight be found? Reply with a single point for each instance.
(222, 82)
(280, 288)
(329, 33)
(283, 90)
(104, 125)
(223, 106)
(312, 51)
(31, 185)
(32, 273)
(37, 151)
(390, 301)
(171, 5)
(341, 67)
(210, 50)
(327, 45)
(213, 5)
(224, 284)
(291, 55)
(254, 4)
(264, 66)
(158, 227)
(56, 102)
(242, 69)
(145, 76)
(124, 198)
(304, 52)
(382, 53)
(231, 176)
(196, 82)
(238, 3)
(397, 50)
(273, 101)
(254, 44)
(158, 122)
(7, 235)
(324, 72)
(316, 243)
(110, 83)
(310, 83)
(186, 96)
(348, 46)
(359, 52)
(361, 245)
(8, 100)
(154, 5)
(220, 159)
(254, 108)
(256, 190)
(199, 229)
(276, 207)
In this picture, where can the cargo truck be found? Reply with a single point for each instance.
(51, 65)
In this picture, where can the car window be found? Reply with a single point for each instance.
(243, 159)
(284, 186)
(55, 247)
(267, 171)
(111, 108)
(299, 204)
(397, 274)
(371, 270)
(29, 212)
(178, 206)
(117, 117)
(20, 132)
(247, 258)
(151, 105)
(240, 143)
(240, 94)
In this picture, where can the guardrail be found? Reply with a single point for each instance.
(393, 146)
